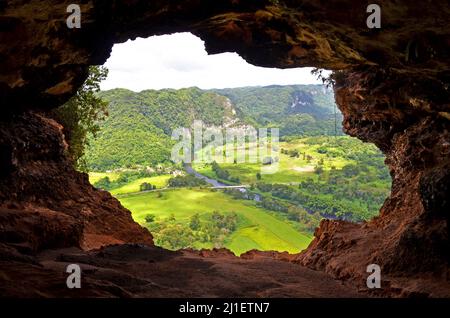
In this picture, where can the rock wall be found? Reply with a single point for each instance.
(410, 238)
(392, 86)
(43, 61)
(47, 204)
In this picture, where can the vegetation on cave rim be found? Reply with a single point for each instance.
(82, 114)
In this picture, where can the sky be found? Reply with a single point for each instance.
(180, 60)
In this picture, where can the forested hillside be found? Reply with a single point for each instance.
(138, 129)
(306, 110)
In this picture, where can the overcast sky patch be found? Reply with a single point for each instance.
(180, 60)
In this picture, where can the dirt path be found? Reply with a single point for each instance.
(304, 169)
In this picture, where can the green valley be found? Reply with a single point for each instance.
(320, 172)
(256, 228)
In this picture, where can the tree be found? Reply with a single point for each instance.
(146, 187)
(231, 221)
(175, 236)
(104, 183)
(350, 170)
(149, 218)
(217, 218)
(186, 181)
(80, 116)
(195, 222)
(318, 169)
(294, 153)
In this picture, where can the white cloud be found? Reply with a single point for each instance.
(180, 60)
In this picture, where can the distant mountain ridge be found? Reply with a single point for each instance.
(316, 100)
(295, 109)
(138, 129)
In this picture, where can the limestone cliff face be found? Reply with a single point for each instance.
(392, 86)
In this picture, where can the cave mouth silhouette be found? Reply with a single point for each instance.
(397, 103)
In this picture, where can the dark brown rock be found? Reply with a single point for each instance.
(40, 188)
(143, 271)
(410, 237)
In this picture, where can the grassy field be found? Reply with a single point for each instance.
(290, 170)
(131, 187)
(257, 228)
(96, 176)
(134, 186)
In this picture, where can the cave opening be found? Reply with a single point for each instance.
(159, 85)
(391, 86)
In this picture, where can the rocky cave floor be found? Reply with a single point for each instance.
(133, 270)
